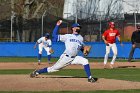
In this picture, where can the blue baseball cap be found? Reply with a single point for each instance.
(75, 25)
(47, 35)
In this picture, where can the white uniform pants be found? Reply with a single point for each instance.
(41, 46)
(65, 60)
(114, 49)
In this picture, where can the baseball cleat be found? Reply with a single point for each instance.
(34, 74)
(39, 63)
(92, 80)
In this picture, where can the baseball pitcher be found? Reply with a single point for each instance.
(44, 42)
(109, 37)
(73, 44)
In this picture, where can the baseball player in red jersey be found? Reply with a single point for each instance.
(109, 37)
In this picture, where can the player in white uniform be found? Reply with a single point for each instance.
(73, 43)
(44, 42)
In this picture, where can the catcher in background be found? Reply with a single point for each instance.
(73, 44)
(44, 42)
(109, 37)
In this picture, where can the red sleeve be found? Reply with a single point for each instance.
(118, 33)
(105, 33)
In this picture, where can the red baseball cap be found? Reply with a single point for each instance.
(111, 23)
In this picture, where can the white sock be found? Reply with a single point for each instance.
(90, 77)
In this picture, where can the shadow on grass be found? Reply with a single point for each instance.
(126, 67)
(59, 77)
(62, 77)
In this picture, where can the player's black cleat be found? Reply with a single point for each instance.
(34, 74)
(92, 79)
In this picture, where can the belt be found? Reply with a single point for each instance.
(70, 56)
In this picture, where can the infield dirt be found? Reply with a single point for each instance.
(62, 83)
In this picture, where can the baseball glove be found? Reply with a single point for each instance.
(51, 50)
(86, 50)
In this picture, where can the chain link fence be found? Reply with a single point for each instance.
(19, 26)
(24, 30)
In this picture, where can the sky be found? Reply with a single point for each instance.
(121, 6)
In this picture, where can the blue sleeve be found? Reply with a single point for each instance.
(49, 45)
(55, 33)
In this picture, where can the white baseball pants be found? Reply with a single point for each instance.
(65, 61)
(41, 46)
(114, 49)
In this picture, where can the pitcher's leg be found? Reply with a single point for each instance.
(62, 62)
(84, 62)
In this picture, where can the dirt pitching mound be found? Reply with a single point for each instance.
(59, 83)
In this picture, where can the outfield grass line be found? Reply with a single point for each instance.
(44, 59)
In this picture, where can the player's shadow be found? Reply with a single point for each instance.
(126, 67)
(63, 77)
(59, 77)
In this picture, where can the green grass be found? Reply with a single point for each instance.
(15, 71)
(44, 59)
(120, 74)
(24, 59)
(98, 91)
